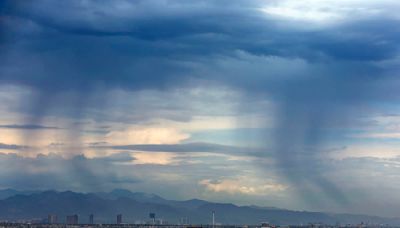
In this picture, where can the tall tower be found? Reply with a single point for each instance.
(153, 217)
(119, 219)
(213, 219)
(91, 219)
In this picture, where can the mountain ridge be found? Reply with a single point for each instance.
(136, 206)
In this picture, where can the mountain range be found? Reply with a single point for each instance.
(136, 206)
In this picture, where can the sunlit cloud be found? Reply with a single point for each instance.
(241, 186)
(327, 12)
(301, 14)
(143, 135)
(157, 158)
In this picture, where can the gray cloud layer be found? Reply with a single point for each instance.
(28, 127)
(55, 172)
(12, 146)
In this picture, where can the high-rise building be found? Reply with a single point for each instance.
(91, 219)
(119, 219)
(72, 219)
(213, 219)
(52, 219)
(153, 217)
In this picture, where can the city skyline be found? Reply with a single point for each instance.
(124, 208)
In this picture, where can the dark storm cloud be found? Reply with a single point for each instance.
(84, 44)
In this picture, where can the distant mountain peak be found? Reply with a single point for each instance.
(136, 206)
(121, 190)
(9, 192)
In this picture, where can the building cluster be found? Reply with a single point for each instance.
(74, 219)
(52, 219)
(46, 225)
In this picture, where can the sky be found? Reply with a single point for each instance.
(291, 104)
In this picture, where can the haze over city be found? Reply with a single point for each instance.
(291, 104)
